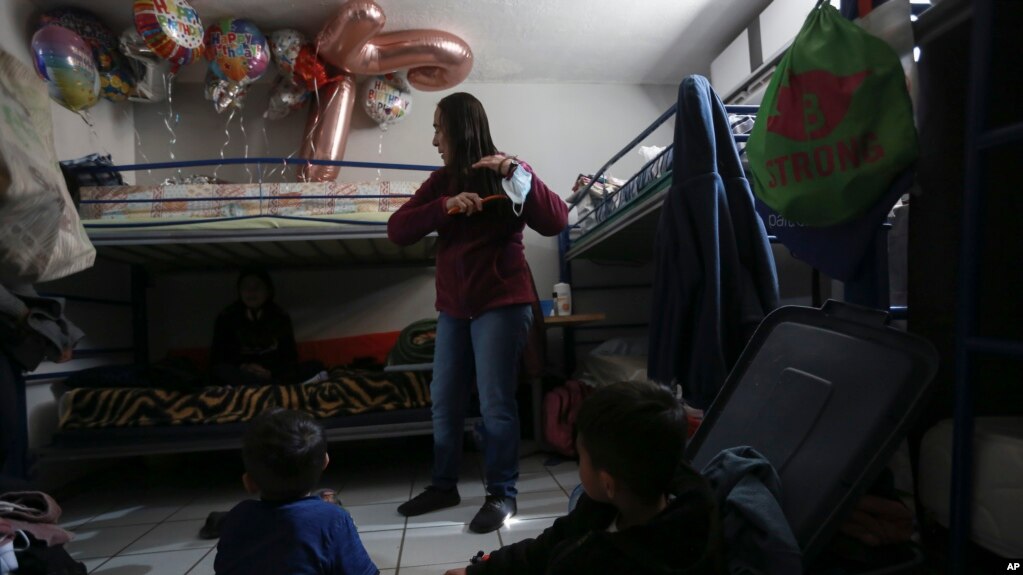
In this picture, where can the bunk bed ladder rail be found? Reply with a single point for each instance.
(979, 140)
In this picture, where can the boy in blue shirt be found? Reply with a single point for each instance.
(288, 530)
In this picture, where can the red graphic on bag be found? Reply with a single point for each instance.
(813, 104)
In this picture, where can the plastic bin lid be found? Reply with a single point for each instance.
(825, 395)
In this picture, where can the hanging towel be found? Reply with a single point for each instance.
(714, 275)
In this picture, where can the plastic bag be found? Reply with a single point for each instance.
(41, 237)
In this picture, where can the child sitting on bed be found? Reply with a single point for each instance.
(288, 530)
(643, 510)
(253, 340)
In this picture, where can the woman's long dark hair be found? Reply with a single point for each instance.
(467, 131)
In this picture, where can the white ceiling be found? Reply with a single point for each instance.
(521, 41)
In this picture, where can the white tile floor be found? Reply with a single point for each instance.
(139, 518)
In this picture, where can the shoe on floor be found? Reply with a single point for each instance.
(211, 529)
(495, 511)
(432, 499)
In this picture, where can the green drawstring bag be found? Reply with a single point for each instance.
(836, 124)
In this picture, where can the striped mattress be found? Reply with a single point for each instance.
(347, 392)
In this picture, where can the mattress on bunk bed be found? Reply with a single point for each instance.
(997, 513)
(654, 176)
(347, 392)
(131, 225)
(243, 200)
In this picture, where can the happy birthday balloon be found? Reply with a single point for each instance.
(387, 99)
(237, 51)
(172, 29)
(66, 63)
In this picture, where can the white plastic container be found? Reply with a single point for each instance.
(563, 299)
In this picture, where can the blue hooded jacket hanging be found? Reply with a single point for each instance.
(714, 276)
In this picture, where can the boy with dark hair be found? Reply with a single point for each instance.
(643, 511)
(288, 530)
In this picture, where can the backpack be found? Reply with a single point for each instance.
(835, 128)
(560, 408)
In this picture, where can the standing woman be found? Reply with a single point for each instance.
(478, 204)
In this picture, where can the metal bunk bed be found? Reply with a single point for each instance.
(290, 241)
(981, 141)
(630, 212)
(266, 239)
(621, 228)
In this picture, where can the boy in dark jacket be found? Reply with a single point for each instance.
(643, 511)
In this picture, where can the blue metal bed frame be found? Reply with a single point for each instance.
(140, 276)
(980, 140)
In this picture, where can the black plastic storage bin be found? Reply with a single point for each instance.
(826, 395)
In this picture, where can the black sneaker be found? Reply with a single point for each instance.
(432, 499)
(495, 511)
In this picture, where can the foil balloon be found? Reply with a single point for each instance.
(285, 97)
(148, 69)
(171, 28)
(284, 47)
(117, 82)
(387, 99)
(65, 62)
(237, 51)
(352, 42)
(224, 94)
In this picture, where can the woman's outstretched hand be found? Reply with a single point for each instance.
(498, 162)
(466, 203)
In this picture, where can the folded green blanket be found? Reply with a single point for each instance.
(415, 343)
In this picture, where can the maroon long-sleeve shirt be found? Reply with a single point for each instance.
(481, 262)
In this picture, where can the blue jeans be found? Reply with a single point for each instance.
(486, 349)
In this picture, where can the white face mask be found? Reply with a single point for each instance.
(517, 188)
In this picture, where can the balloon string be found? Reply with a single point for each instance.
(138, 141)
(87, 118)
(316, 120)
(227, 133)
(245, 139)
(380, 152)
(283, 166)
(171, 119)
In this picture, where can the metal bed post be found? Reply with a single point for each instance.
(140, 313)
(966, 299)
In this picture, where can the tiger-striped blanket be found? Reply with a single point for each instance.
(347, 392)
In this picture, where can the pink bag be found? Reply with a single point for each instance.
(560, 408)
